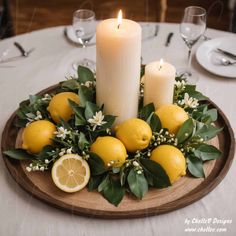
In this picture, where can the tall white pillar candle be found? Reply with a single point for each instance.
(159, 83)
(118, 67)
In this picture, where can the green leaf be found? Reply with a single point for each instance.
(94, 182)
(123, 175)
(154, 122)
(195, 166)
(90, 110)
(212, 113)
(33, 98)
(85, 95)
(104, 183)
(65, 124)
(96, 164)
(185, 131)
(207, 152)
(20, 123)
(146, 111)
(112, 190)
(189, 88)
(115, 170)
(82, 141)
(71, 84)
(85, 74)
(142, 71)
(196, 94)
(79, 113)
(155, 173)
(205, 131)
(137, 183)
(109, 122)
(44, 152)
(19, 154)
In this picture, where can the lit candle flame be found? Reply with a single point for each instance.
(119, 19)
(161, 63)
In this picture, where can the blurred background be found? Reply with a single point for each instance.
(21, 16)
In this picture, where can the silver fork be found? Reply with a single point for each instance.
(23, 52)
(227, 62)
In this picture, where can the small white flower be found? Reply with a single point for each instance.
(69, 151)
(46, 97)
(97, 120)
(62, 152)
(38, 116)
(135, 163)
(41, 168)
(61, 132)
(46, 161)
(108, 131)
(28, 169)
(139, 172)
(180, 84)
(189, 101)
(88, 84)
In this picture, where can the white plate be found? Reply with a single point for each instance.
(208, 57)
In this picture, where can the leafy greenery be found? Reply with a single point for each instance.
(138, 184)
(19, 154)
(138, 173)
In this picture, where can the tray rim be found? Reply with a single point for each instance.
(187, 199)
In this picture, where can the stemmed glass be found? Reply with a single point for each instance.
(84, 26)
(192, 27)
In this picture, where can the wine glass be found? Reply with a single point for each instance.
(192, 27)
(84, 26)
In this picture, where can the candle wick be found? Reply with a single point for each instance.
(160, 67)
(118, 26)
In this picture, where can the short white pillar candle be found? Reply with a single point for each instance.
(159, 80)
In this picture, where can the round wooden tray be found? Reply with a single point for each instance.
(157, 201)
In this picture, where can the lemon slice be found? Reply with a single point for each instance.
(70, 173)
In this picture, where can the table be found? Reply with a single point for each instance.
(22, 215)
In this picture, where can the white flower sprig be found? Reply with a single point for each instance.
(62, 132)
(34, 117)
(97, 120)
(189, 101)
(47, 97)
(180, 84)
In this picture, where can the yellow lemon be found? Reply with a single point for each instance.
(172, 117)
(37, 135)
(70, 173)
(111, 150)
(134, 133)
(59, 106)
(171, 159)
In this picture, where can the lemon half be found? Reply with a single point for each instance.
(70, 173)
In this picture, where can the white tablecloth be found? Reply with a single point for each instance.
(22, 215)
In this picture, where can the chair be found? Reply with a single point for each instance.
(6, 25)
(30, 15)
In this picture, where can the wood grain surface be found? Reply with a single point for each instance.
(157, 201)
(29, 15)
